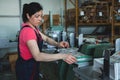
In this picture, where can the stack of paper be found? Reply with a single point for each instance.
(82, 59)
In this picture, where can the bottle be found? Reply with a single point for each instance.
(64, 35)
(80, 40)
(72, 40)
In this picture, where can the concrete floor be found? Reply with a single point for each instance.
(7, 76)
(5, 71)
(49, 69)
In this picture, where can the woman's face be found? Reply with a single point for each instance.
(36, 19)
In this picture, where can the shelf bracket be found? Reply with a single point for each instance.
(72, 2)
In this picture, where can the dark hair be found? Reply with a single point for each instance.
(31, 9)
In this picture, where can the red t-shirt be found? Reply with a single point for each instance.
(26, 34)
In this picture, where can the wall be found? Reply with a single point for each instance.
(48, 5)
(9, 18)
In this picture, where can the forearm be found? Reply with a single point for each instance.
(49, 57)
(53, 57)
(49, 40)
(52, 42)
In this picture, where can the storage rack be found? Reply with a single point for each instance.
(115, 12)
(97, 14)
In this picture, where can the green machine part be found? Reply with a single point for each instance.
(95, 50)
(70, 73)
(88, 49)
(82, 60)
(98, 53)
(63, 68)
(66, 70)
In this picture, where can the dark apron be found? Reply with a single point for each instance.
(28, 69)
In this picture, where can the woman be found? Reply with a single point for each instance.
(30, 44)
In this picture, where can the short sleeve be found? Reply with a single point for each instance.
(28, 34)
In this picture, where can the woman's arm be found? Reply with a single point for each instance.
(53, 42)
(40, 56)
(49, 40)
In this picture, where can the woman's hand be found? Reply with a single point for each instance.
(70, 59)
(64, 44)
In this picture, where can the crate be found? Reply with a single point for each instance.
(46, 24)
(12, 59)
(56, 19)
(71, 15)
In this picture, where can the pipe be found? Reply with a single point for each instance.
(51, 18)
(61, 17)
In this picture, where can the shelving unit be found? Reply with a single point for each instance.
(95, 14)
(115, 12)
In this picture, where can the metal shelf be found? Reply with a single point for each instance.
(9, 15)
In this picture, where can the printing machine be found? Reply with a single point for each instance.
(103, 71)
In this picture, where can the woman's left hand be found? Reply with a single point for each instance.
(68, 58)
(64, 44)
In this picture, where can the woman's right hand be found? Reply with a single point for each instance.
(70, 59)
